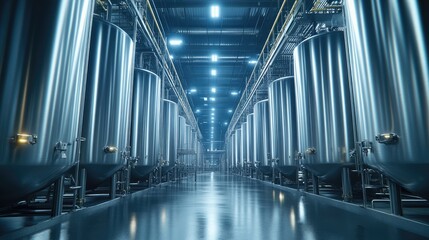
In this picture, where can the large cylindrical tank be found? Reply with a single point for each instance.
(43, 57)
(262, 136)
(284, 138)
(243, 140)
(194, 147)
(181, 144)
(250, 145)
(238, 148)
(325, 125)
(107, 111)
(169, 131)
(389, 66)
(145, 121)
(188, 144)
(233, 148)
(228, 152)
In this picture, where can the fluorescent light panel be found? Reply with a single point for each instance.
(213, 90)
(214, 11)
(175, 42)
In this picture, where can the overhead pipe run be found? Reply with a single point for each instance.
(220, 31)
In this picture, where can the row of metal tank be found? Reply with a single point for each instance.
(365, 89)
(69, 91)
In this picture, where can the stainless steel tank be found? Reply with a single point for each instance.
(250, 145)
(238, 148)
(188, 144)
(194, 147)
(43, 57)
(389, 68)
(107, 111)
(262, 136)
(325, 125)
(181, 143)
(284, 138)
(145, 121)
(170, 133)
(228, 152)
(243, 140)
(233, 160)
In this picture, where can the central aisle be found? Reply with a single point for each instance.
(219, 207)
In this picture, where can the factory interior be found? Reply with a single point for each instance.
(214, 119)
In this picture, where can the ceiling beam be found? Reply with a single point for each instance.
(222, 3)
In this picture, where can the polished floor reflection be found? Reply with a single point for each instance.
(218, 207)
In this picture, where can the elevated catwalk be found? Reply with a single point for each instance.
(224, 207)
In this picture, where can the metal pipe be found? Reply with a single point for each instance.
(228, 31)
(402, 200)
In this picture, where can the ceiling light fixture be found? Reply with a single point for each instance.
(204, 98)
(175, 42)
(213, 90)
(234, 93)
(214, 11)
(214, 58)
(213, 72)
(230, 110)
(212, 99)
(253, 62)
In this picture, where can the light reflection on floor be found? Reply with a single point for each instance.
(220, 207)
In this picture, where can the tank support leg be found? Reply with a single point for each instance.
(113, 180)
(150, 179)
(57, 205)
(347, 186)
(395, 198)
(82, 190)
(315, 181)
(305, 178)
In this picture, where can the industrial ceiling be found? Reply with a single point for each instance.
(214, 46)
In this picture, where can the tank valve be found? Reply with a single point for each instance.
(366, 147)
(22, 138)
(310, 151)
(387, 138)
(62, 148)
(110, 149)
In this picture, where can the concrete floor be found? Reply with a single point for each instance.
(221, 206)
